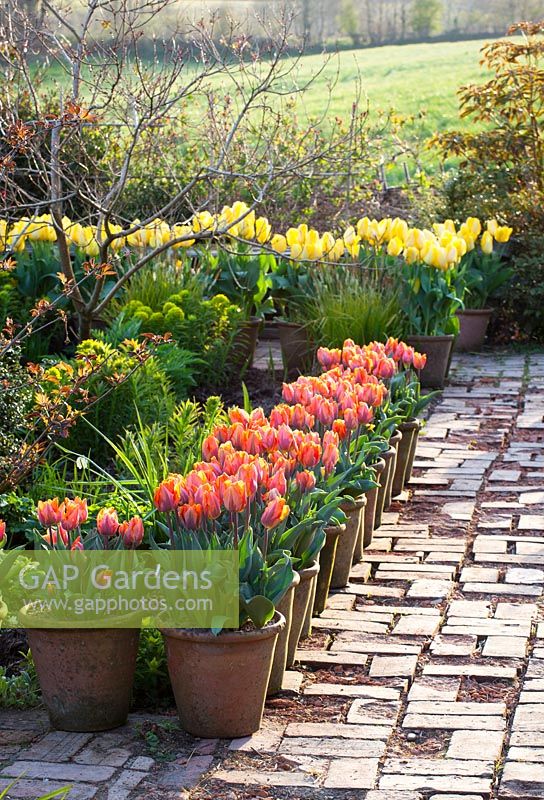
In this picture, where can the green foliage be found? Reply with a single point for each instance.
(346, 306)
(119, 391)
(425, 16)
(151, 683)
(148, 453)
(15, 403)
(203, 327)
(20, 689)
(480, 277)
(428, 300)
(244, 278)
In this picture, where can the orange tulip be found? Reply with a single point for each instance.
(74, 513)
(234, 495)
(167, 495)
(132, 532)
(275, 513)
(49, 512)
(190, 516)
(107, 522)
(305, 481)
(3, 534)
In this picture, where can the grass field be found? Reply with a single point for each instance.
(409, 78)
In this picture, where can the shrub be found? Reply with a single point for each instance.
(110, 405)
(15, 403)
(501, 160)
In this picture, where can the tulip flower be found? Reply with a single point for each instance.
(486, 243)
(275, 513)
(132, 532)
(234, 496)
(503, 234)
(74, 513)
(107, 522)
(305, 481)
(3, 534)
(167, 494)
(190, 516)
(419, 361)
(49, 512)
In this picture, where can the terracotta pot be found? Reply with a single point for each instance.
(394, 441)
(346, 543)
(408, 429)
(86, 675)
(307, 624)
(301, 604)
(358, 550)
(326, 564)
(370, 510)
(413, 448)
(245, 343)
(384, 478)
(296, 347)
(473, 324)
(279, 662)
(438, 350)
(220, 682)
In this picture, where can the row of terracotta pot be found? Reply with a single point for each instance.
(220, 682)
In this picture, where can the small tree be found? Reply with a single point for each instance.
(203, 111)
(425, 16)
(349, 22)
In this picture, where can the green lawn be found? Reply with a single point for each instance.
(409, 78)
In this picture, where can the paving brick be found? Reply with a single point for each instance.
(31, 789)
(471, 709)
(124, 783)
(57, 746)
(474, 670)
(327, 657)
(329, 747)
(454, 645)
(184, 776)
(352, 773)
(486, 745)
(247, 777)
(429, 589)
(452, 722)
(344, 690)
(391, 666)
(521, 779)
(442, 689)
(416, 625)
(59, 771)
(373, 712)
(339, 730)
(446, 783)
(505, 646)
(437, 766)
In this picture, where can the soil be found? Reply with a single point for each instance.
(264, 388)
(13, 643)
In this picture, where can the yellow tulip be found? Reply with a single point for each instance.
(263, 229)
(182, 230)
(296, 250)
(90, 247)
(139, 237)
(278, 243)
(492, 226)
(460, 245)
(399, 229)
(362, 227)
(503, 234)
(350, 236)
(486, 243)
(395, 246)
(3, 234)
(339, 250)
(475, 226)
(449, 225)
(303, 232)
(354, 248)
(327, 243)
(411, 255)
(293, 237)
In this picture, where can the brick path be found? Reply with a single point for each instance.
(423, 679)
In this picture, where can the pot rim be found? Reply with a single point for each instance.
(82, 626)
(475, 312)
(380, 465)
(308, 572)
(397, 435)
(431, 337)
(335, 529)
(410, 424)
(353, 503)
(205, 636)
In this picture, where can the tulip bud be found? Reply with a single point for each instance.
(3, 534)
(132, 532)
(486, 243)
(107, 523)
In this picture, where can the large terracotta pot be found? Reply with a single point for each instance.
(85, 675)
(279, 662)
(394, 441)
(412, 453)
(307, 623)
(473, 324)
(408, 430)
(296, 347)
(371, 501)
(245, 343)
(345, 549)
(384, 478)
(438, 350)
(326, 564)
(301, 605)
(220, 682)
